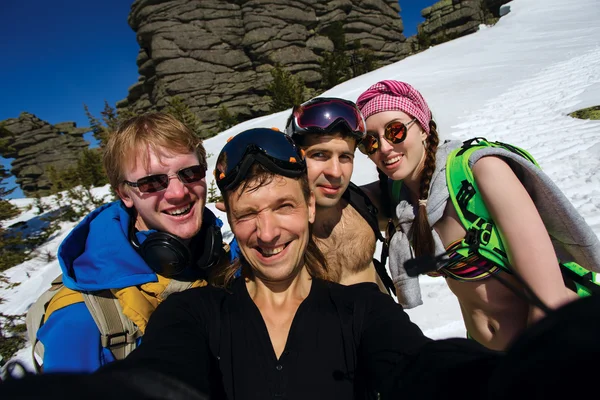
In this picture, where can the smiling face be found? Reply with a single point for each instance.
(330, 162)
(403, 160)
(178, 209)
(271, 225)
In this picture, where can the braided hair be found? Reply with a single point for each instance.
(421, 231)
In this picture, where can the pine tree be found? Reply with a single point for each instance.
(7, 209)
(13, 332)
(110, 117)
(226, 120)
(361, 60)
(180, 110)
(99, 131)
(286, 90)
(335, 65)
(110, 121)
(12, 251)
(213, 194)
(6, 140)
(90, 170)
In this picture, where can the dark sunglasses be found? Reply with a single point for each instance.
(394, 132)
(273, 149)
(159, 182)
(325, 115)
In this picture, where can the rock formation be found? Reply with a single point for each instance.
(36, 145)
(219, 52)
(449, 19)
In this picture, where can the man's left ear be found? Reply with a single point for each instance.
(311, 208)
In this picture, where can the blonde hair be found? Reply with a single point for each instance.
(159, 132)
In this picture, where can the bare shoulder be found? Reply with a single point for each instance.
(491, 167)
(500, 188)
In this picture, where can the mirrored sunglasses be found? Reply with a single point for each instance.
(394, 132)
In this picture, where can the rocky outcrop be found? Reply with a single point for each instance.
(215, 53)
(449, 19)
(36, 145)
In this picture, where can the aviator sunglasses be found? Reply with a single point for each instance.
(394, 132)
(160, 182)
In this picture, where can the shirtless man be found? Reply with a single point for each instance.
(329, 130)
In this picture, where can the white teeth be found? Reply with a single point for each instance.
(392, 160)
(180, 211)
(272, 252)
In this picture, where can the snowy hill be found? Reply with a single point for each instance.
(515, 82)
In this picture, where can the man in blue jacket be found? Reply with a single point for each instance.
(157, 239)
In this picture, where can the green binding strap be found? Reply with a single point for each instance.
(482, 235)
(580, 280)
(395, 192)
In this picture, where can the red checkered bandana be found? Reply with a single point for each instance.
(395, 96)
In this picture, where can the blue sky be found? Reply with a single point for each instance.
(57, 55)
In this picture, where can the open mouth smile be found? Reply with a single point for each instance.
(271, 251)
(178, 212)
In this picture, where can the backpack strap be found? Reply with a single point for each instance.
(390, 230)
(482, 235)
(117, 332)
(175, 286)
(395, 193)
(38, 314)
(363, 205)
(580, 280)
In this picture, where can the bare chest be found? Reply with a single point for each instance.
(348, 245)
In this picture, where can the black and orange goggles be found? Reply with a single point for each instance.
(325, 115)
(272, 149)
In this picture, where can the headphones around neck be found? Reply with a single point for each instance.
(168, 255)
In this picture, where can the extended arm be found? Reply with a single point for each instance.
(401, 362)
(526, 239)
(175, 344)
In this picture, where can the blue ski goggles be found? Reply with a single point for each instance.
(268, 147)
(326, 115)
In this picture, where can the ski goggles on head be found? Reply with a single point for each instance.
(270, 148)
(394, 132)
(160, 182)
(325, 115)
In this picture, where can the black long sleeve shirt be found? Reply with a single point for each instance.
(344, 342)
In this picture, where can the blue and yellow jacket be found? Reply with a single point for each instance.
(97, 255)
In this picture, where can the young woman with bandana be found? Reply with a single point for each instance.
(402, 140)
